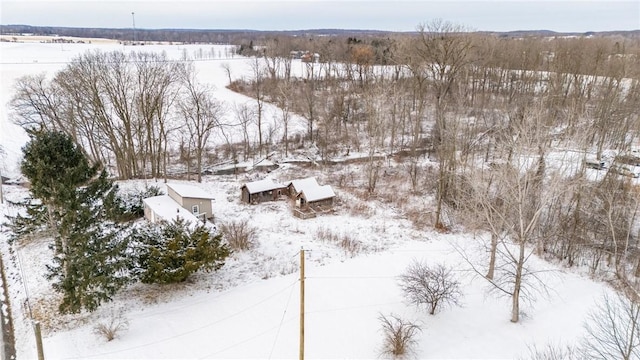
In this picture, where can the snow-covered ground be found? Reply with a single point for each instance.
(249, 309)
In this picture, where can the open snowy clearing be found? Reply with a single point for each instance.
(249, 309)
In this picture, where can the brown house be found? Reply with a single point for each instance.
(262, 190)
(316, 198)
(296, 186)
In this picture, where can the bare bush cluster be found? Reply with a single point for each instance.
(399, 336)
(432, 287)
(113, 326)
(350, 245)
(239, 234)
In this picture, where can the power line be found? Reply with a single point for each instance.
(351, 277)
(189, 331)
(246, 340)
(355, 307)
(275, 341)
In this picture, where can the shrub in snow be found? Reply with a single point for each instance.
(399, 336)
(350, 245)
(430, 286)
(110, 328)
(170, 252)
(239, 234)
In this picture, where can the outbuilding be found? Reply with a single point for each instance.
(316, 197)
(296, 186)
(261, 190)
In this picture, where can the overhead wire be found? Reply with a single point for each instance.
(245, 340)
(189, 331)
(275, 341)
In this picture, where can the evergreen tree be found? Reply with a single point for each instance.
(90, 263)
(55, 167)
(170, 252)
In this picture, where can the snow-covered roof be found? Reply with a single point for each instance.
(262, 185)
(303, 184)
(190, 191)
(168, 209)
(318, 193)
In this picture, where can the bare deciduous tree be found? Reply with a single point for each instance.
(115, 104)
(444, 48)
(552, 352)
(244, 115)
(227, 69)
(432, 287)
(613, 330)
(258, 90)
(202, 114)
(283, 100)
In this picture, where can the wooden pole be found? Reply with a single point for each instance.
(36, 326)
(301, 304)
(1, 193)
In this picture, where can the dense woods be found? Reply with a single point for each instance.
(494, 132)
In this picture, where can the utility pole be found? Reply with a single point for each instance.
(133, 18)
(302, 304)
(36, 328)
(1, 193)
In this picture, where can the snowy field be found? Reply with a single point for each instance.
(249, 309)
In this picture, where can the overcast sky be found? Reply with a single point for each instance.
(404, 15)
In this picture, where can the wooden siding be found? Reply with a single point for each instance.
(270, 195)
(302, 202)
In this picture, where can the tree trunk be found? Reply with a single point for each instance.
(515, 308)
(492, 260)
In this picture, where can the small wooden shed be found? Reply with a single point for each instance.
(262, 190)
(316, 197)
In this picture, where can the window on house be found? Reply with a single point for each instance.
(195, 209)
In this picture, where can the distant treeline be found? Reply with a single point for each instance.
(172, 35)
(237, 36)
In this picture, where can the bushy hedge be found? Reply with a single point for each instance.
(170, 252)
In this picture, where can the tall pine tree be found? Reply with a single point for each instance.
(55, 167)
(90, 263)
